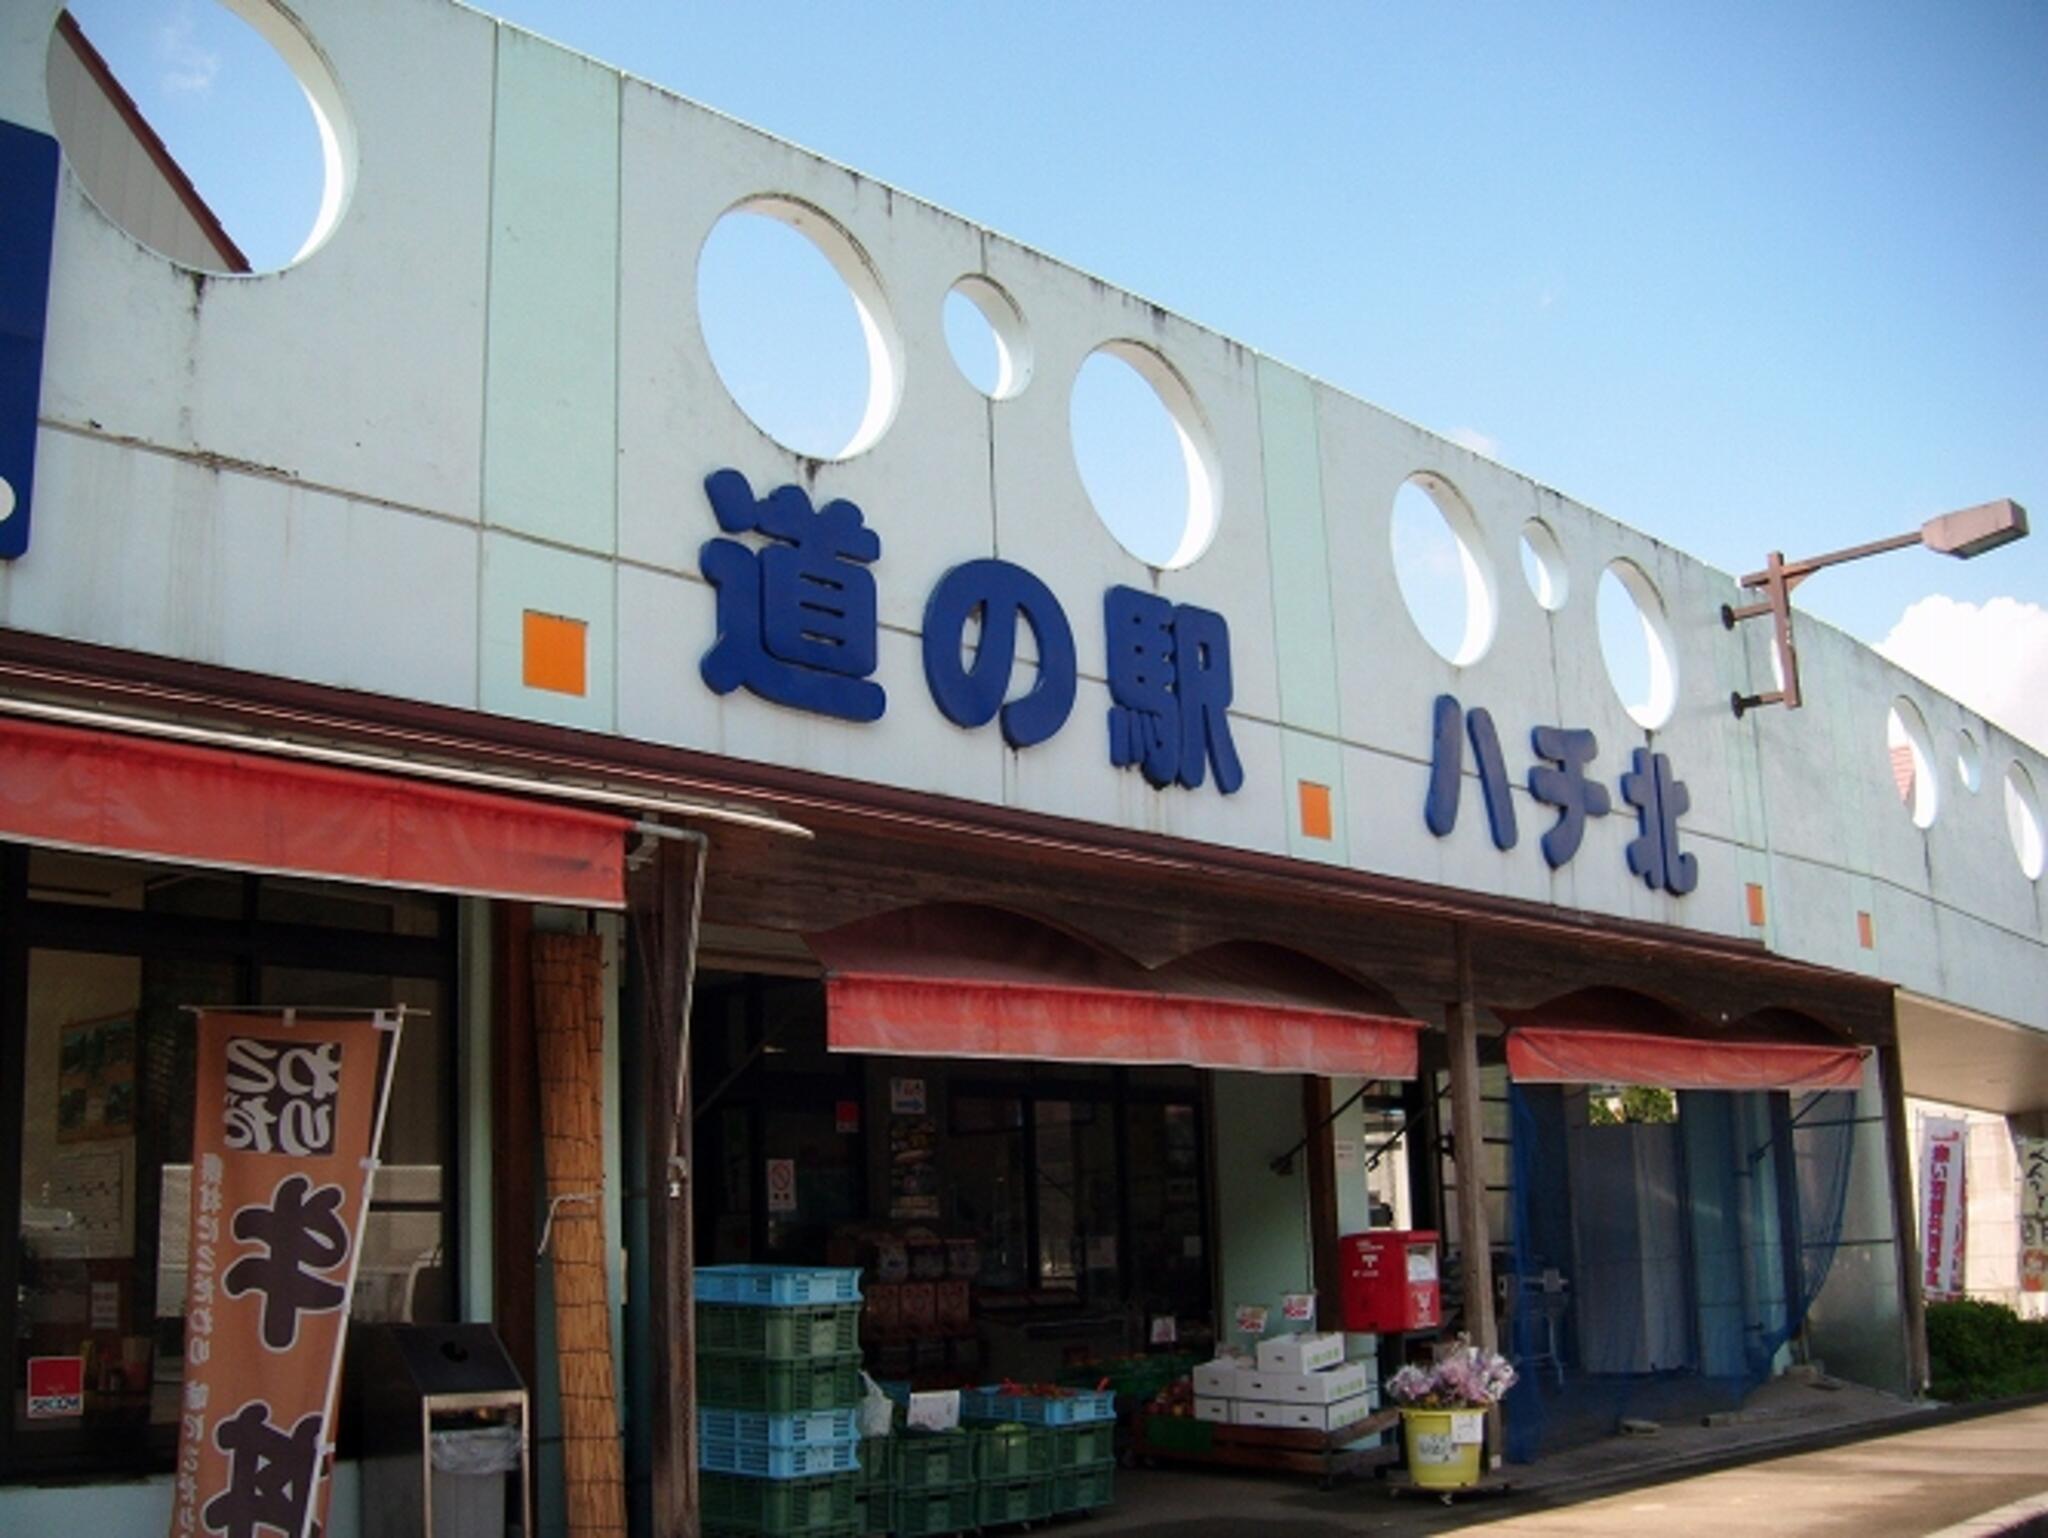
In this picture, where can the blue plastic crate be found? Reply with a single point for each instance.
(777, 1286)
(992, 1404)
(805, 1429)
(757, 1460)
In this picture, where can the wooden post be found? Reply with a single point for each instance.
(1905, 1209)
(515, 1136)
(1321, 1153)
(1468, 1129)
(667, 900)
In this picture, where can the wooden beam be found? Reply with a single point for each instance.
(1469, 1146)
(666, 904)
(515, 1135)
(1905, 1214)
(1321, 1153)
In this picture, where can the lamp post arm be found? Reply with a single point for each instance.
(1792, 572)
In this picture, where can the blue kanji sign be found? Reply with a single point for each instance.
(796, 618)
(1562, 783)
(998, 592)
(28, 215)
(1660, 799)
(1447, 770)
(1169, 690)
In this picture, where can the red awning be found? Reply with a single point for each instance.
(75, 789)
(955, 981)
(1561, 1055)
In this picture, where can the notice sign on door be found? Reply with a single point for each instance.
(56, 1387)
(782, 1185)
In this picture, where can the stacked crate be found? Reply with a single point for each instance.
(1073, 1470)
(778, 1383)
(932, 1477)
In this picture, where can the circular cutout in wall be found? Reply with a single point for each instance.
(1969, 760)
(1145, 456)
(2023, 821)
(213, 134)
(1543, 565)
(1636, 644)
(798, 328)
(985, 333)
(1442, 568)
(1910, 752)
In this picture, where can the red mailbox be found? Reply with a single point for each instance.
(1390, 1282)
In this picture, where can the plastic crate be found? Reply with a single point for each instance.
(1083, 1489)
(761, 1461)
(1014, 1500)
(1080, 1447)
(936, 1461)
(776, 1286)
(918, 1513)
(1011, 1452)
(776, 1508)
(876, 1472)
(803, 1430)
(796, 1334)
(871, 1512)
(779, 1388)
(837, 1530)
(992, 1404)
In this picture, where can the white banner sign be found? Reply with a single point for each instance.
(1943, 1143)
(2033, 1214)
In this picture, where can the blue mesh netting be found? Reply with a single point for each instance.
(1658, 1269)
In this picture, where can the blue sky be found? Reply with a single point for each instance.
(1742, 275)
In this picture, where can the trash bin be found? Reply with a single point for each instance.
(445, 1433)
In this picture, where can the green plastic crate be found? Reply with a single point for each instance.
(875, 1468)
(780, 1388)
(778, 1508)
(778, 1334)
(1083, 1489)
(918, 1513)
(870, 1512)
(1015, 1500)
(935, 1461)
(1077, 1447)
(1011, 1452)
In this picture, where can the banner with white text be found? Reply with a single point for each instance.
(1944, 1142)
(290, 1111)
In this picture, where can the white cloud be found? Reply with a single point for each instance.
(1475, 440)
(188, 68)
(1992, 657)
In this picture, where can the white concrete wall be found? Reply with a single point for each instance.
(488, 392)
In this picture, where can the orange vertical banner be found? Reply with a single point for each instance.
(290, 1111)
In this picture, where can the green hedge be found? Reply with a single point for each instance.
(1985, 1351)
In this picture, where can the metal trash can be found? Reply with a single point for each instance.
(446, 1433)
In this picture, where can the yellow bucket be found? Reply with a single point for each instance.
(1443, 1447)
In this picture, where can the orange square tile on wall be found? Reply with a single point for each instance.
(1316, 819)
(552, 653)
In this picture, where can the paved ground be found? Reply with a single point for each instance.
(1916, 1481)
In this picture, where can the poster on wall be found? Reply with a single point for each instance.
(1943, 1195)
(289, 1112)
(96, 1079)
(913, 1167)
(2033, 1153)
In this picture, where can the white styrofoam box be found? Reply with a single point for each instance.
(1347, 1412)
(1219, 1377)
(1325, 1387)
(1300, 1353)
(1208, 1408)
(1260, 1412)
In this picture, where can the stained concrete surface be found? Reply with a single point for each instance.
(1914, 1481)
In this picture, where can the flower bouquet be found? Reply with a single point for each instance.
(1467, 1379)
(1441, 1419)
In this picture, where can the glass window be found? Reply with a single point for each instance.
(103, 975)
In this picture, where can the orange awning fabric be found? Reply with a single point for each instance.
(70, 788)
(956, 981)
(1560, 1055)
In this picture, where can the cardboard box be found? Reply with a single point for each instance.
(1219, 1378)
(1305, 1417)
(1300, 1353)
(1326, 1387)
(1212, 1409)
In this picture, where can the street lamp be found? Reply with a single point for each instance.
(1963, 534)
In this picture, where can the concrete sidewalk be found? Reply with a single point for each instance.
(1919, 1481)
